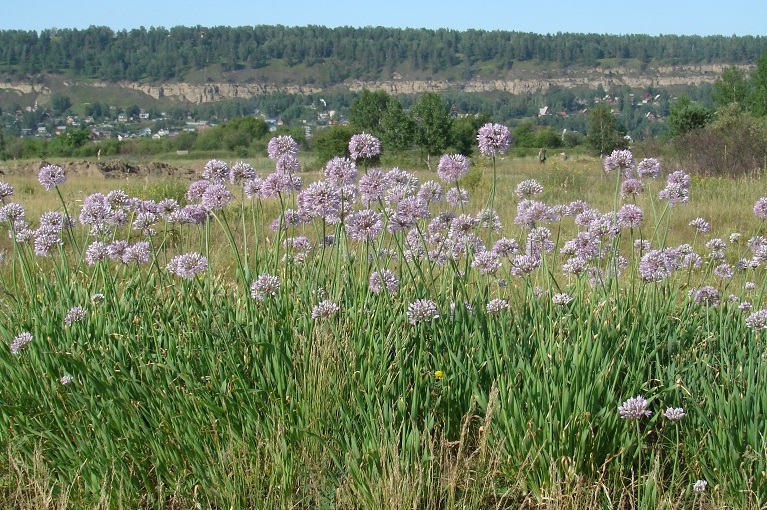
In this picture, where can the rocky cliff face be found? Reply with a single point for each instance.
(514, 83)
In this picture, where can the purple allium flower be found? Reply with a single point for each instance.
(486, 262)
(20, 341)
(496, 306)
(757, 320)
(456, 196)
(631, 187)
(65, 380)
(701, 225)
(44, 243)
(707, 296)
(298, 248)
(452, 167)
(648, 167)
(287, 164)
(216, 197)
(422, 310)
(431, 191)
(188, 265)
(12, 213)
(621, 160)
(529, 188)
(403, 184)
(117, 199)
(116, 250)
(264, 286)
(281, 146)
(96, 252)
(383, 279)
(167, 207)
(630, 216)
(325, 309)
(760, 208)
(144, 222)
(724, 271)
(745, 305)
(530, 212)
(364, 145)
(576, 266)
(410, 210)
(634, 408)
(749, 286)
(700, 486)
(561, 299)
(735, 237)
(675, 194)
(654, 266)
(322, 199)
(51, 176)
(524, 265)
(373, 185)
(196, 190)
(364, 225)
(98, 298)
(488, 218)
(215, 171)
(341, 171)
(505, 247)
(493, 139)
(674, 413)
(679, 178)
(461, 226)
(6, 190)
(75, 314)
(138, 253)
(241, 171)
(252, 187)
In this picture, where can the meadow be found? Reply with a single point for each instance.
(493, 334)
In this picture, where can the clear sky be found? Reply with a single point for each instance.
(701, 17)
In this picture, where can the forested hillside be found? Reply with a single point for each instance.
(160, 54)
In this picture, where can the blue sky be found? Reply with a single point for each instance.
(702, 17)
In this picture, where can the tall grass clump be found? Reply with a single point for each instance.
(369, 340)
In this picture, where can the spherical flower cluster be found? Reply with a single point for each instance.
(457, 196)
(20, 341)
(724, 271)
(341, 171)
(51, 176)
(216, 197)
(634, 408)
(648, 167)
(524, 265)
(674, 413)
(216, 171)
(757, 320)
(281, 146)
(452, 167)
(529, 188)
(287, 164)
(505, 247)
(373, 185)
(760, 208)
(496, 306)
(383, 279)
(422, 310)
(431, 191)
(561, 299)
(188, 265)
(654, 266)
(486, 262)
(700, 486)
(631, 187)
(241, 171)
(621, 160)
(6, 190)
(364, 225)
(493, 139)
(264, 286)
(701, 225)
(675, 193)
(75, 314)
(324, 309)
(630, 216)
(138, 252)
(364, 145)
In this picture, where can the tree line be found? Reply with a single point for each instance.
(371, 52)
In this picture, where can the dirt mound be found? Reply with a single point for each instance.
(112, 169)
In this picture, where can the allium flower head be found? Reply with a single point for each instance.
(215, 171)
(496, 306)
(700, 486)
(648, 167)
(493, 139)
(196, 190)
(631, 187)
(364, 145)
(524, 265)
(216, 197)
(422, 310)
(634, 408)
(188, 265)
(630, 216)
(341, 171)
(6, 190)
(325, 309)
(679, 178)
(757, 320)
(241, 171)
(654, 266)
(486, 262)
(20, 341)
(383, 279)
(760, 208)
(75, 314)
(51, 176)
(456, 196)
(373, 185)
(561, 299)
(287, 164)
(364, 225)
(65, 380)
(452, 167)
(505, 247)
(264, 286)
(621, 160)
(138, 253)
(529, 188)
(701, 225)
(431, 191)
(674, 413)
(281, 146)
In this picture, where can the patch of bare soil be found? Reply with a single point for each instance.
(112, 169)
